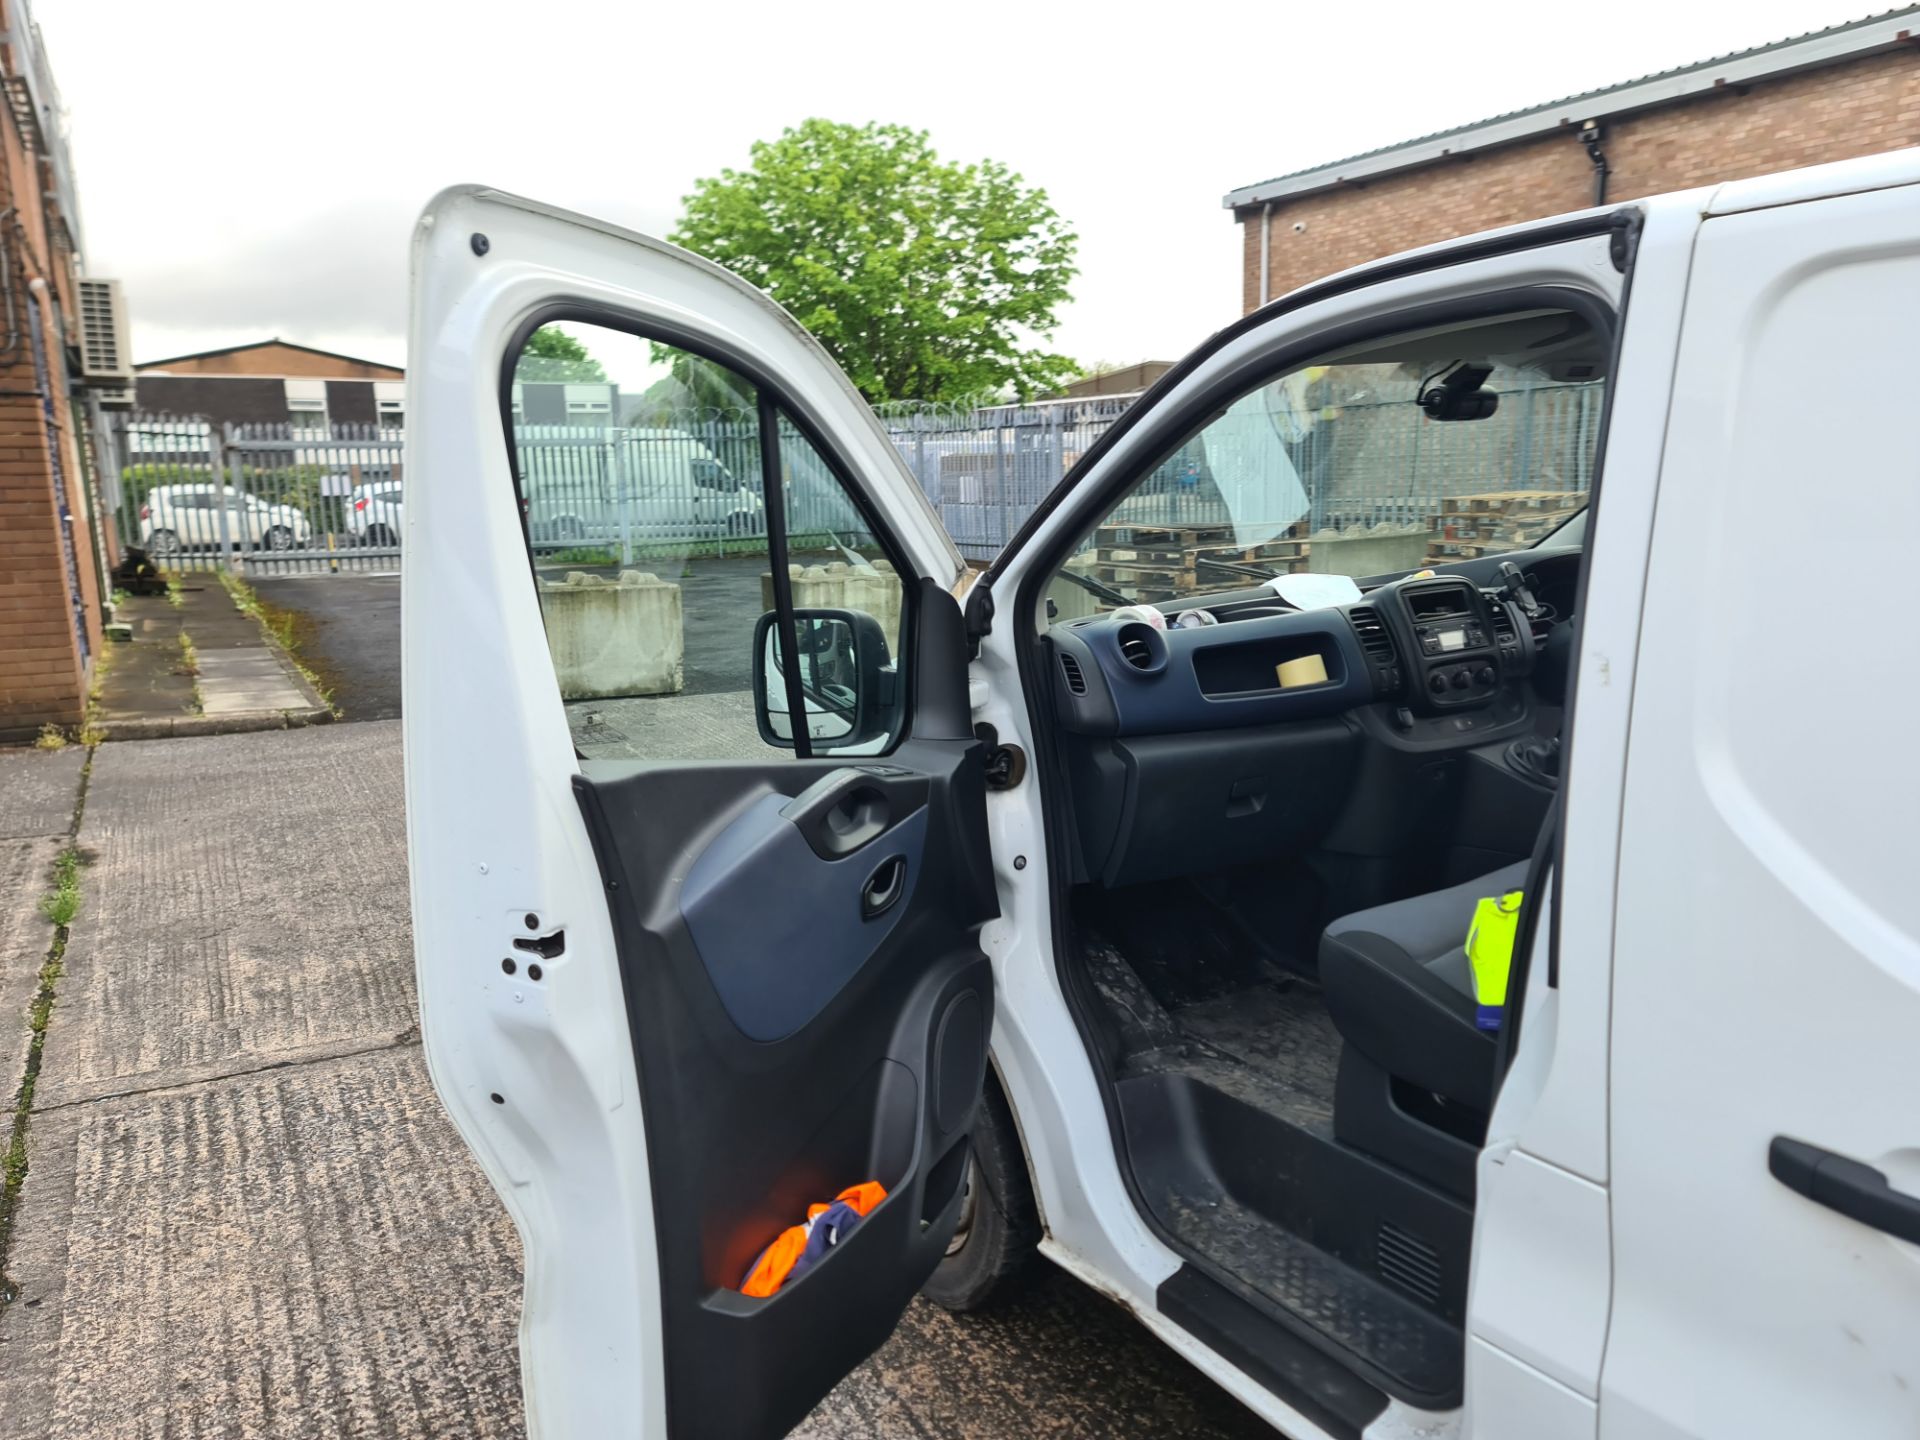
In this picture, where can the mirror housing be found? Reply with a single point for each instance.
(844, 680)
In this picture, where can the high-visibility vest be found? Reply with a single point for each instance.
(1490, 954)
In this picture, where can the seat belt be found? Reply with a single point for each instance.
(1546, 846)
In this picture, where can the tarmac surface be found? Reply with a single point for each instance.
(246, 1212)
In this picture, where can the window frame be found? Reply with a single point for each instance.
(773, 402)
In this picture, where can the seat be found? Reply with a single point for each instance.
(1398, 988)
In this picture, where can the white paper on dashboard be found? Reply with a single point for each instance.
(1315, 592)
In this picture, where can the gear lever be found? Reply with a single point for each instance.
(1537, 757)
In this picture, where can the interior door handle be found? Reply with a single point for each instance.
(853, 806)
(1850, 1187)
(884, 887)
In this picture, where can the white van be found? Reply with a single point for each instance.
(645, 484)
(1133, 936)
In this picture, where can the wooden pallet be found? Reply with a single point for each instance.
(1507, 502)
(1186, 568)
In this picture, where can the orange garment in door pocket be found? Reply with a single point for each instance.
(800, 1247)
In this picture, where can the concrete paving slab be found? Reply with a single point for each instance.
(26, 874)
(253, 663)
(259, 909)
(37, 790)
(248, 697)
(247, 1214)
(244, 679)
(301, 1253)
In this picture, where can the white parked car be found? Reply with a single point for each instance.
(187, 517)
(1140, 945)
(375, 513)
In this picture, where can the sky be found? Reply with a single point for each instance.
(252, 169)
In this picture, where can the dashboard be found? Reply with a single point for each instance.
(1272, 718)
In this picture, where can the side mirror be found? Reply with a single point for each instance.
(842, 672)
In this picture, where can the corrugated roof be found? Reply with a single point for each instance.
(1833, 45)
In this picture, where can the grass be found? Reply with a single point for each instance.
(190, 666)
(60, 905)
(281, 626)
(51, 737)
(678, 550)
(176, 592)
(584, 555)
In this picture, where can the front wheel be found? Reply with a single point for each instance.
(991, 1253)
(163, 542)
(280, 538)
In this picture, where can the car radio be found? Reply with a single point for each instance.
(1453, 643)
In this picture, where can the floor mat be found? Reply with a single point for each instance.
(1259, 1034)
(1273, 1046)
(1203, 1019)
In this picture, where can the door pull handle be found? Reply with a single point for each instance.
(1847, 1187)
(884, 887)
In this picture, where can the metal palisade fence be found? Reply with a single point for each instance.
(289, 499)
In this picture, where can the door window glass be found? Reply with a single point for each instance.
(1421, 449)
(655, 560)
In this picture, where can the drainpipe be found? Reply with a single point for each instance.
(1266, 246)
(1591, 135)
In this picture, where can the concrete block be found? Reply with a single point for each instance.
(614, 637)
(1366, 552)
(873, 589)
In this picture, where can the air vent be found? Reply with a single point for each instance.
(1502, 624)
(1070, 667)
(103, 334)
(1372, 634)
(1408, 1262)
(1142, 647)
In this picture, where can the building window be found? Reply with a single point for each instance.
(393, 414)
(588, 404)
(308, 417)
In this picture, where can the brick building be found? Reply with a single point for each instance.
(1831, 95)
(274, 382)
(56, 540)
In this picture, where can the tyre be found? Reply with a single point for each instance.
(163, 542)
(740, 524)
(380, 535)
(991, 1253)
(280, 538)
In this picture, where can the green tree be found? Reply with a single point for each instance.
(552, 354)
(924, 278)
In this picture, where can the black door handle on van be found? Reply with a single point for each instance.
(849, 808)
(1855, 1190)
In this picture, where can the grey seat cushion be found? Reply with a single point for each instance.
(1398, 988)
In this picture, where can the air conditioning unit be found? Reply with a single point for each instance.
(104, 358)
